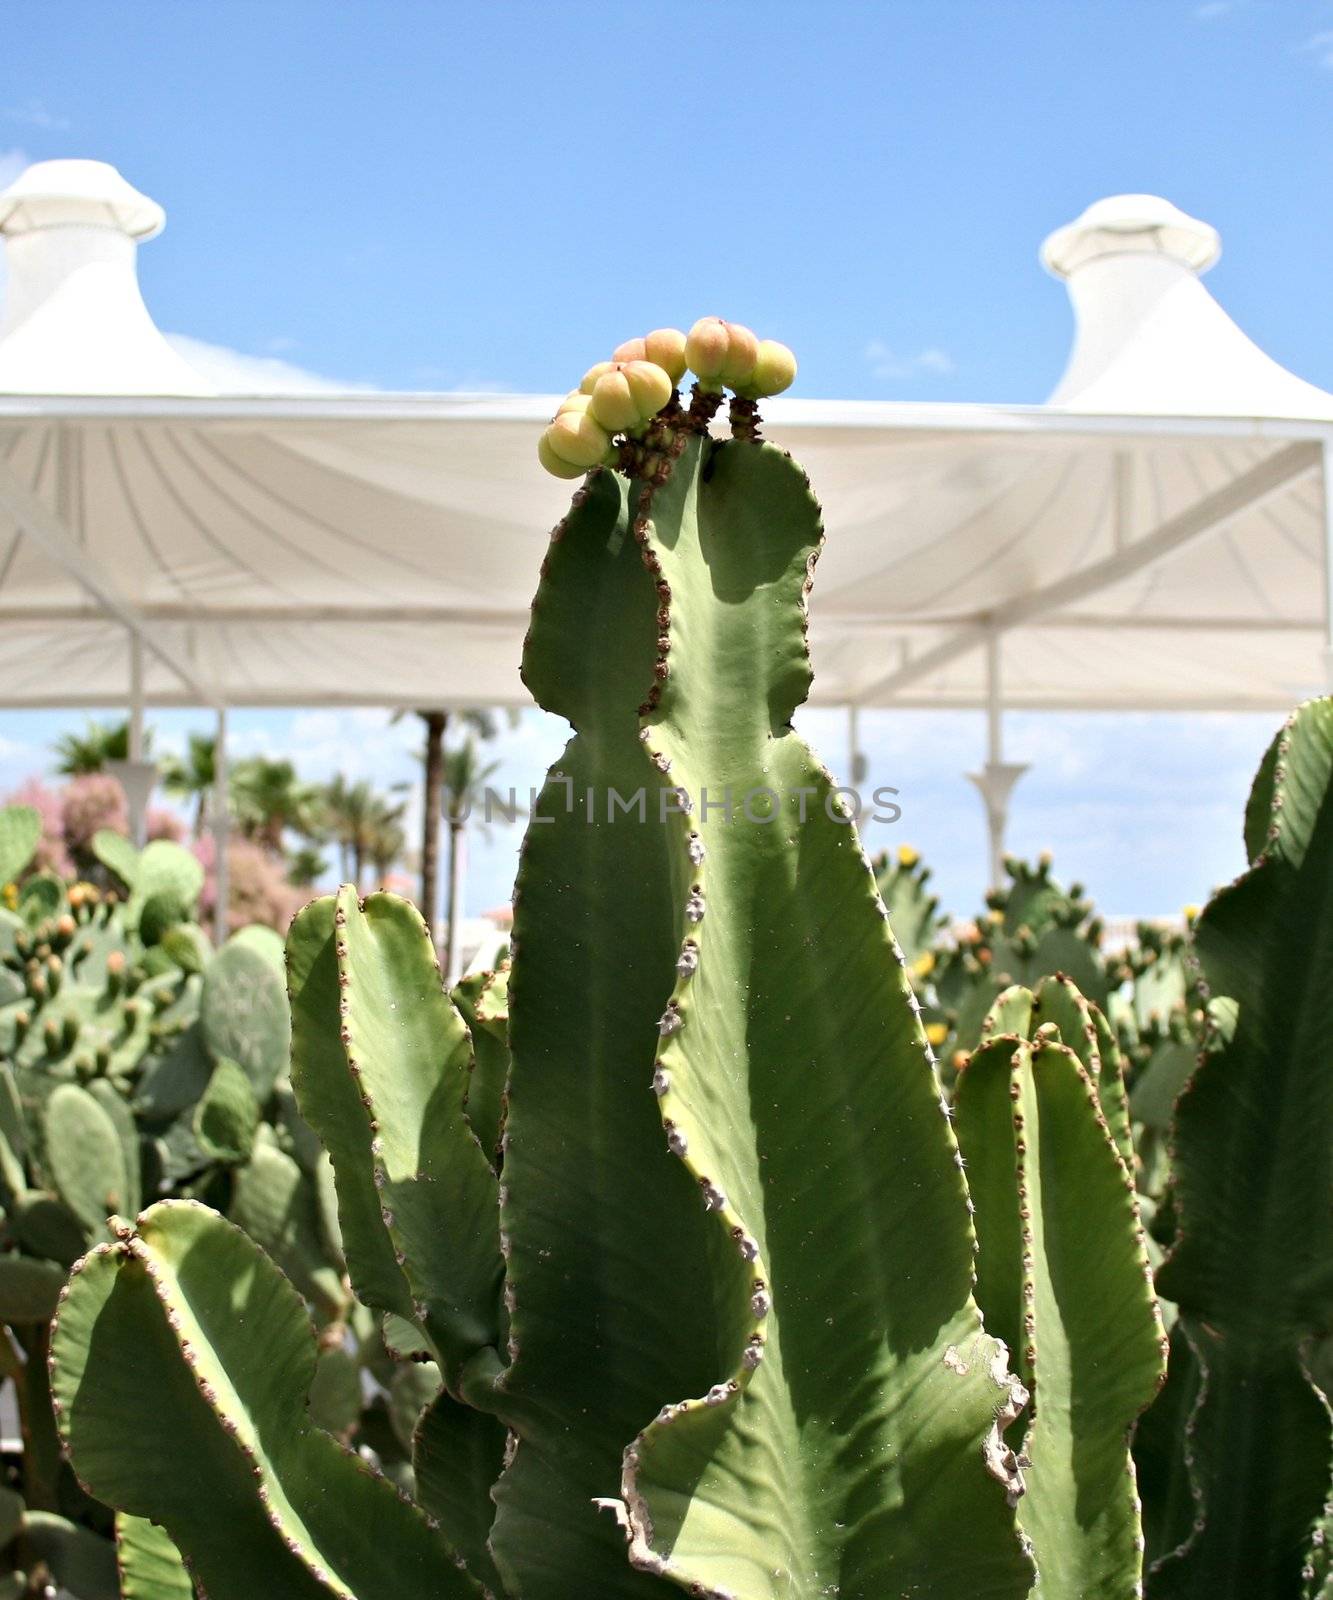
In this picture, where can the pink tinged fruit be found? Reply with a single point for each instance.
(578, 439)
(666, 348)
(706, 348)
(628, 395)
(742, 352)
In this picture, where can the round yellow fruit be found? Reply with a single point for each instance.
(578, 439)
(774, 370)
(666, 348)
(554, 464)
(742, 353)
(591, 376)
(706, 348)
(628, 395)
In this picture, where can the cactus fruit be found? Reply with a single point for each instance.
(774, 372)
(629, 395)
(578, 439)
(589, 380)
(665, 347)
(555, 464)
(624, 395)
(721, 354)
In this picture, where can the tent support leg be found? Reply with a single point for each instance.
(856, 761)
(220, 823)
(138, 798)
(996, 780)
(1326, 489)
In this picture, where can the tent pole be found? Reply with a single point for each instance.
(138, 797)
(996, 805)
(220, 822)
(856, 761)
(996, 780)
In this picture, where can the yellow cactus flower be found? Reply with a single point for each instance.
(937, 1033)
(11, 895)
(924, 964)
(1191, 913)
(907, 857)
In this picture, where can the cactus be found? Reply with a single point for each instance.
(243, 1015)
(1252, 1163)
(85, 1157)
(150, 1565)
(1063, 1276)
(914, 912)
(20, 830)
(110, 1092)
(654, 1301)
(691, 1290)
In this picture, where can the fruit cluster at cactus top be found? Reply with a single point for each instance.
(623, 395)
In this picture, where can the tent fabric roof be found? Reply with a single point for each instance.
(1155, 539)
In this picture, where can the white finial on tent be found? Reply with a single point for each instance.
(1131, 224)
(74, 319)
(1150, 339)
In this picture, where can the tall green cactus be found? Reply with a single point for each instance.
(1251, 1269)
(696, 1295)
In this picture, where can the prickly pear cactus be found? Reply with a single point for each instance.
(113, 1090)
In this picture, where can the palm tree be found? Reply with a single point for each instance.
(386, 837)
(464, 784)
(268, 798)
(193, 778)
(79, 753)
(348, 812)
(304, 866)
(478, 721)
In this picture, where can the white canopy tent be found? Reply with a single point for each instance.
(1156, 537)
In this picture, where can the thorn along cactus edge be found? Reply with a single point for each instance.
(690, 1242)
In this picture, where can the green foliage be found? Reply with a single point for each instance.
(20, 829)
(1252, 1155)
(150, 1565)
(110, 1093)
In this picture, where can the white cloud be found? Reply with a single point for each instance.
(1320, 46)
(887, 364)
(235, 372)
(33, 114)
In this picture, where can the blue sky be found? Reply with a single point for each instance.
(487, 195)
